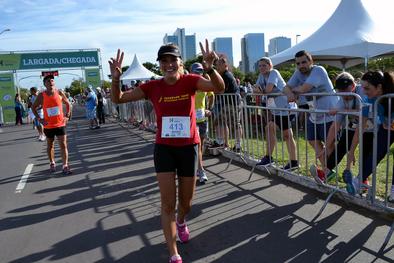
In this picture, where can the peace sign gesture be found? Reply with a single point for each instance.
(208, 57)
(116, 65)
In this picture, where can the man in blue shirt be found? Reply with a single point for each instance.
(91, 105)
(310, 78)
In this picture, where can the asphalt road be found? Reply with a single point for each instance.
(108, 210)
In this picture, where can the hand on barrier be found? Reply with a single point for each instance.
(332, 111)
(291, 97)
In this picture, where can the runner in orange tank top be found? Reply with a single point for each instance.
(54, 121)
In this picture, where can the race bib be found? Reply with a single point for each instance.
(175, 127)
(200, 114)
(54, 111)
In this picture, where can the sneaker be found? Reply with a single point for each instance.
(352, 183)
(317, 174)
(41, 138)
(182, 232)
(364, 186)
(331, 175)
(175, 259)
(265, 160)
(66, 170)
(293, 164)
(390, 198)
(52, 167)
(216, 145)
(236, 149)
(202, 176)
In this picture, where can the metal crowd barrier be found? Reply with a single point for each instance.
(241, 122)
(380, 141)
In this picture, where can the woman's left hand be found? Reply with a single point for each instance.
(208, 56)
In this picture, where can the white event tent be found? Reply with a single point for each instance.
(137, 71)
(349, 37)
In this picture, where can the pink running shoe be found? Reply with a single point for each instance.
(175, 259)
(52, 167)
(182, 232)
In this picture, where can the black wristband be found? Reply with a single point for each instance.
(210, 71)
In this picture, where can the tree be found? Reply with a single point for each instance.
(77, 87)
(189, 62)
(24, 93)
(152, 67)
(106, 85)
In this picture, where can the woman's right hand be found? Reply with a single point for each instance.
(115, 65)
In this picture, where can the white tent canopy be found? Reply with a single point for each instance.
(136, 71)
(349, 37)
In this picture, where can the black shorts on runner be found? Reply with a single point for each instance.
(182, 159)
(51, 133)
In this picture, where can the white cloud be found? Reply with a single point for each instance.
(139, 26)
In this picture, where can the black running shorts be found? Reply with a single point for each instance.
(182, 160)
(51, 133)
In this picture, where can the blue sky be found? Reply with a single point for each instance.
(138, 27)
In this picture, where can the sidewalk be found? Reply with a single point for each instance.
(268, 219)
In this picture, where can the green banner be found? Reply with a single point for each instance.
(10, 62)
(48, 60)
(7, 95)
(93, 77)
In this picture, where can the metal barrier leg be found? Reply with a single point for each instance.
(228, 164)
(388, 237)
(251, 172)
(254, 167)
(325, 204)
(231, 160)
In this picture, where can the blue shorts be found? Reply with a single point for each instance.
(321, 131)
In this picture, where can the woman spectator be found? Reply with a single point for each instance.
(19, 109)
(374, 84)
(270, 81)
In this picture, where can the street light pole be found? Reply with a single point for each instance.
(5, 30)
(297, 38)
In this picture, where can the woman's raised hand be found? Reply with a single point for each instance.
(115, 65)
(208, 57)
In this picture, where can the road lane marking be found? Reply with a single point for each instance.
(23, 180)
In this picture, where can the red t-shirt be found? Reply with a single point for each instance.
(174, 100)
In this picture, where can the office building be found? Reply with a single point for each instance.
(170, 39)
(224, 45)
(186, 43)
(190, 46)
(278, 44)
(252, 49)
